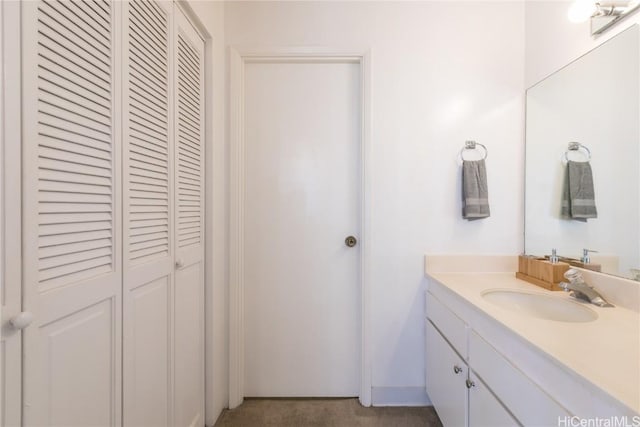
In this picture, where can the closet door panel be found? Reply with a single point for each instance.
(148, 214)
(189, 237)
(72, 250)
(189, 368)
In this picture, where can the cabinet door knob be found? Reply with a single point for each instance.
(470, 383)
(457, 369)
(22, 320)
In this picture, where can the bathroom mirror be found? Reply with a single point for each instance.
(594, 101)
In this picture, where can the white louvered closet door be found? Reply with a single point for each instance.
(148, 213)
(72, 249)
(189, 234)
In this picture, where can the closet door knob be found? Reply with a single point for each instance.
(350, 241)
(179, 263)
(22, 320)
(457, 369)
(470, 383)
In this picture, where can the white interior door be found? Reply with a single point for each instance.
(71, 198)
(302, 198)
(10, 219)
(148, 214)
(189, 229)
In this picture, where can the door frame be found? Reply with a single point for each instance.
(239, 57)
(10, 219)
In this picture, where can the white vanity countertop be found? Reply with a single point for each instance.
(604, 352)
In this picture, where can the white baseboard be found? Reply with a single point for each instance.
(399, 396)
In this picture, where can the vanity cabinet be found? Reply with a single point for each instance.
(471, 384)
(460, 397)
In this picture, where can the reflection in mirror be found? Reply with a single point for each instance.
(595, 102)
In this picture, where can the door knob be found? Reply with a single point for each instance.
(457, 369)
(470, 383)
(179, 263)
(350, 241)
(22, 320)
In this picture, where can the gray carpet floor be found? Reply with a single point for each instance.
(324, 413)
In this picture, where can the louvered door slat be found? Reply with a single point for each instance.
(78, 119)
(148, 230)
(45, 219)
(152, 24)
(148, 49)
(71, 128)
(101, 7)
(152, 88)
(75, 151)
(87, 79)
(189, 152)
(86, 21)
(188, 100)
(147, 126)
(71, 238)
(73, 89)
(53, 146)
(50, 40)
(146, 152)
(66, 97)
(140, 141)
(53, 133)
(91, 14)
(155, 113)
(92, 54)
(148, 131)
(71, 248)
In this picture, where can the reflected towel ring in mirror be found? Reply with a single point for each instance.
(576, 146)
(472, 145)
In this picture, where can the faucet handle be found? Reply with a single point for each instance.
(573, 275)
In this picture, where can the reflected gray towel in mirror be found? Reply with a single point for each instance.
(475, 192)
(578, 195)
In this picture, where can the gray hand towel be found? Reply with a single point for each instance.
(475, 192)
(578, 195)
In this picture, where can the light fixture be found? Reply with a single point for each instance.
(582, 10)
(603, 14)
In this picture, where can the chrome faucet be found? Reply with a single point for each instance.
(577, 288)
(585, 256)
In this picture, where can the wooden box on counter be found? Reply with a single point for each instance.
(541, 272)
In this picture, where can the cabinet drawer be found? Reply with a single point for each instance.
(526, 401)
(450, 325)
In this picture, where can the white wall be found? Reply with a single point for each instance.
(211, 16)
(443, 72)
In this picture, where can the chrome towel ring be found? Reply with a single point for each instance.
(576, 146)
(472, 145)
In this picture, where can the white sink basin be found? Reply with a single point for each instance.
(540, 305)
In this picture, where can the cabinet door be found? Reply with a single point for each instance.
(484, 408)
(446, 373)
(148, 212)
